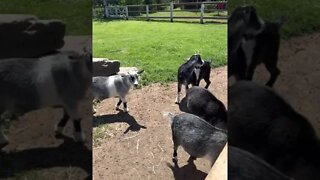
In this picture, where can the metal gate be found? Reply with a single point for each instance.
(116, 12)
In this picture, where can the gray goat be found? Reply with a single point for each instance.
(204, 104)
(56, 80)
(243, 165)
(115, 86)
(197, 137)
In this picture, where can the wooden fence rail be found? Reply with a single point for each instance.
(171, 11)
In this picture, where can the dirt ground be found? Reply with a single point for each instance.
(139, 144)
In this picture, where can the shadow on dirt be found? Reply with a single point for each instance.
(187, 172)
(68, 154)
(120, 117)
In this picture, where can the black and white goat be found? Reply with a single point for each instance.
(252, 41)
(188, 73)
(263, 123)
(204, 74)
(115, 86)
(203, 103)
(57, 80)
(197, 137)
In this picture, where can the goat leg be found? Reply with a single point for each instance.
(118, 104)
(175, 154)
(208, 83)
(3, 140)
(62, 123)
(274, 73)
(191, 159)
(178, 94)
(250, 72)
(78, 130)
(125, 107)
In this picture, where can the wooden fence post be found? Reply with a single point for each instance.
(106, 12)
(220, 168)
(171, 11)
(127, 13)
(202, 12)
(116, 8)
(147, 12)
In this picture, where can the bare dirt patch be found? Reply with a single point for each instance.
(138, 145)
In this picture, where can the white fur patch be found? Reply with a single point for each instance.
(197, 72)
(45, 83)
(178, 98)
(112, 90)
(248, 47)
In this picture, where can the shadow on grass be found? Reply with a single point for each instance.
(120, 117)
(187, 172)
(68, 154)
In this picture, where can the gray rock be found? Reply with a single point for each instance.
(105, 67)
(27, 36)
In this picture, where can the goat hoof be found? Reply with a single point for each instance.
(58, 130)
(3, 144)
(79, 137)
(117, 108)
(126, 110)
(174, 159)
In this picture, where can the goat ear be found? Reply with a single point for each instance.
(140, 72)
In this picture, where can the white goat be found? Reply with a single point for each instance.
(57, 80)
(115, 86)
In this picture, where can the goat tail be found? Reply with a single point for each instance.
(169, 116)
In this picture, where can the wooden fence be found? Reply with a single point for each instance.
(192, 10)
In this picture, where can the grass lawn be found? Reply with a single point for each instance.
(75, 13)
(159, 47)
(303, 16)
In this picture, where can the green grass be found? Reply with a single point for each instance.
(99, 134)
(303, 16)
(159, 47)
(75, 13)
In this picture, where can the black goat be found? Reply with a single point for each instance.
(204, 104)
(263, 123)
